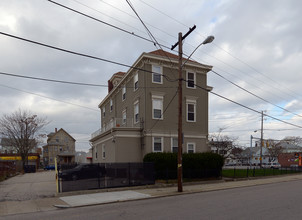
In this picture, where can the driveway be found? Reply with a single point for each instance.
(28, 186)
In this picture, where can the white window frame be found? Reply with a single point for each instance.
(124, 116)
(124, 93)
(155, 73)
(190, 102)
(161, 142)
(194, 147)
(161, 99)
(103, 151)
(189, 80)
(111, 105)
(172, 142)
(136, 119)
(135, 81)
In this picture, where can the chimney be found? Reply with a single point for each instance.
(56, 130)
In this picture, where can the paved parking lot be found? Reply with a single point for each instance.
(28, 186)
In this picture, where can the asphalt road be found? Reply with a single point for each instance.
(28, 186)
(271, 201)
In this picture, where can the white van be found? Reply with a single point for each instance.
(273, 165)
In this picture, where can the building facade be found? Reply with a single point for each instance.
(60, 145)
(140, 113)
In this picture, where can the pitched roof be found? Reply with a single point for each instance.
(163, 53)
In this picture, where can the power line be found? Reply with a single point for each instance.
(244, 106)
(49, 98)
(69, 82)
(164, 110)
(240, 87)
(245, 63)
(103, 22)
(81, 54)
(52, 80)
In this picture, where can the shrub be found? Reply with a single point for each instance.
(197, 165)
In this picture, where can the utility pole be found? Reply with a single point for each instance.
(180, 79)
(261, 139)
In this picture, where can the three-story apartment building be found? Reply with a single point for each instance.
(139, 114)
(60, 145)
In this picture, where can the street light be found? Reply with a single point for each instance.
(208, 40)
(180, 134)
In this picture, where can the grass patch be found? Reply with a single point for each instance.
(242, 173)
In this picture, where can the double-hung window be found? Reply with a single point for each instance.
(174, 143)
(157, 144)
(136, 112)
(191, 78)
(124, 117)
(157, 107)
(156, 74)
(103, 151)
(124, 92)
(111, 105)
(191, 110)
(135, 81)
(191, 147)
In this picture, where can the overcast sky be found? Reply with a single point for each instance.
(257, 46)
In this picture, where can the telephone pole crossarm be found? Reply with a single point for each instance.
(182, 38)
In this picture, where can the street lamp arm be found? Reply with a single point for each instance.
(208, 40)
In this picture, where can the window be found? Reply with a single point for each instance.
(124, 92)
(135, 81)
(124, 117)
(190, 80)
(104, 112)
(191, 147)
(174, 143)
(103, 151)
(156, 74)
(136, 112)
(157, 144)
(191, 111)
(157, 107)
(111, 105)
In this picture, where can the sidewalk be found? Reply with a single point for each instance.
(65, 200)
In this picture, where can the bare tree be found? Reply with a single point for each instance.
(274, 148)
(223, 144)
(297, 141)
(20, 129)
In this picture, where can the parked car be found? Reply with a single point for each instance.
(49, 167)
(82, 171)
(272, 165)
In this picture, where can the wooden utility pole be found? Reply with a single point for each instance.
(179, 157)
(261, 139)
(180, 79)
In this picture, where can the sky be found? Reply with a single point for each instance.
(256, 58)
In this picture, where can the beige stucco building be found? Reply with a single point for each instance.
(60, 145)
(140, 113)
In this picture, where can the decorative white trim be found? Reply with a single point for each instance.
(175, 135)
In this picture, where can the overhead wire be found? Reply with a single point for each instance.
(246, 107)
(69, 82)
(245, 63)
(103, 22)
(43, 96)
(253, 94)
